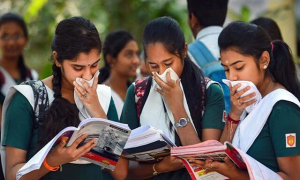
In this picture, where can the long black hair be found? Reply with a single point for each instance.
(270, 26)
(72, 36)
(252, 40)
(12, 17)
(167, 31)
(113, 45)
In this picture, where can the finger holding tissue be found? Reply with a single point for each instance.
(252, 89)
(163, 76)
(90, 82)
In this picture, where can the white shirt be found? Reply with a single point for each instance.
(209, 37)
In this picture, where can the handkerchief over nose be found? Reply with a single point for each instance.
(252, 89)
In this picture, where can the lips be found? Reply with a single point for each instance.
(12, 51)
(133, 68)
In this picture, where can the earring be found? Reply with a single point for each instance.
(265, 66)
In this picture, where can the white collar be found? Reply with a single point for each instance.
(208, 31)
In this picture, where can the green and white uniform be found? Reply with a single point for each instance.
(270, 130)
(21, 131)
(212, 118)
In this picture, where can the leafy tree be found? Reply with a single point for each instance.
(42, 16)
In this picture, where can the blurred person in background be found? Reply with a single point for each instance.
(121, 57)
(206, 19)
(13, 39)
(270, 26)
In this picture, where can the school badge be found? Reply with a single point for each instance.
(290, 140)
(224, 117)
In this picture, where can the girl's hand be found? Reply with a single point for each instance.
(238, 103)
(61, 154)
(171, 92)
(168, 164)
(226, 168)
(88, 96)
(197, 163)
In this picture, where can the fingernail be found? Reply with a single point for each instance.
(248, 87)
(74, 83)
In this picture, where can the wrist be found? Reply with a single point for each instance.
(159, 167)
(234, 116)
(155, 172)
(177, 108)
(49, 166)
(233, 121)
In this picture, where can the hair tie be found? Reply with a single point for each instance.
(57, 95)
(272, 46)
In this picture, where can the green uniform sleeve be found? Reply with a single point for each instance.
(214, 108)
(18, 125)
(112, 111)
(128, 115)
(284, 121)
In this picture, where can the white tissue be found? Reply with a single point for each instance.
(78, 102)
(252, 89)
(90, 82)
(163, 76)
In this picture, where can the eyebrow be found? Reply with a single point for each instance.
(232, 63)
(162, 60)
(78, 65)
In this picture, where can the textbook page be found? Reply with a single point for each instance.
(147, 144)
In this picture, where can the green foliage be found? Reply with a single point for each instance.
(108, 15)
(244, 15)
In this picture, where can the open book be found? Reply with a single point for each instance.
(147, 144)
(217, 151)
(112, 137)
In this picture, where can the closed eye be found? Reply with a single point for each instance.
(95, 65)
(240, 68)
(154, 66)
(78, 68)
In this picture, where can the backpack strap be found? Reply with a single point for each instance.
(201, 54)
(141, 91)
(41, 100)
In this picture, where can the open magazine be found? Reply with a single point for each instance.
(217, 151)
(112, 137)
(147, 144)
